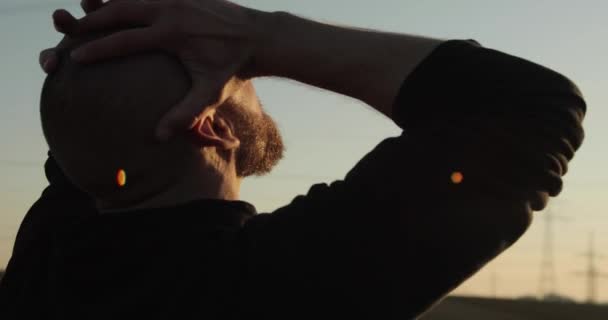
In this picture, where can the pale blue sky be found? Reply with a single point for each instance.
(326, 134)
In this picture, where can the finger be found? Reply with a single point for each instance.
(91, 5)
(117, 14)
(183, 116)
(119, 44)
(64, 21)
(539, 201)
(48, 60)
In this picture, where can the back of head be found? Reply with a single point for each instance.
(99, 120)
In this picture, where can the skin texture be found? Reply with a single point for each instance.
(99, 119)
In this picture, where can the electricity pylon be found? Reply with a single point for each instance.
(548, 278)
(592, 274)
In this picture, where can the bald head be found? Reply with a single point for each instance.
(99, 119)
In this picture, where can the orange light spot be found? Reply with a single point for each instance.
(121, 178)
(457, 177)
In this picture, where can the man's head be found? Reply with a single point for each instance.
(99, 119)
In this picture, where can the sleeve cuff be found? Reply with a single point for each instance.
(428, 80)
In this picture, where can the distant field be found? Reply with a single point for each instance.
(467, 308)
(459, 308)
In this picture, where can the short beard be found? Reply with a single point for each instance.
(261, 145)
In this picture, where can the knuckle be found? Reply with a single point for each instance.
(123, 11)
(87, 5)
(171, 15)
(173, 31)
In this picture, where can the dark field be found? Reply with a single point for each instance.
(461, 308)
(469, 308)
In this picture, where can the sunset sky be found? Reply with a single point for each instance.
(326, 134)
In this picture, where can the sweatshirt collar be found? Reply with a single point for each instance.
(207, 211)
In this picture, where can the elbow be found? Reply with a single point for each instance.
(555, 88)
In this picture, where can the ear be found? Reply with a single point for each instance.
(212, 131)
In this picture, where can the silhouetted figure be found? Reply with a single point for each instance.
(487, 138)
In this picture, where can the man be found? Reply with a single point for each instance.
(487, 138)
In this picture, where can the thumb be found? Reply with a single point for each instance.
(183, 116)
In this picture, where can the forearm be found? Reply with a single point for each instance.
(363, 64)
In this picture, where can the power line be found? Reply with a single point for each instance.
(548, 278)
(494, 284)
(592, 274)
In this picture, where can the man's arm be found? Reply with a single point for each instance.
(363, 64)
(399, 233)
(219, 41)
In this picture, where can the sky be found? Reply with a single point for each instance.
(326, 134)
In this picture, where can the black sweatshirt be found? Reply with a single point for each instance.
(388, 241)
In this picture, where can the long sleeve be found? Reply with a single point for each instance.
(402, 229)
(22, 290)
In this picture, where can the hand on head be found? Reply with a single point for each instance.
(99, 119)
(98, 114)
(215, 41)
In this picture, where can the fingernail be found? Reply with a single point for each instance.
(46, 64)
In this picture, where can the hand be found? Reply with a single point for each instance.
(63, 21)
(214, 39)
